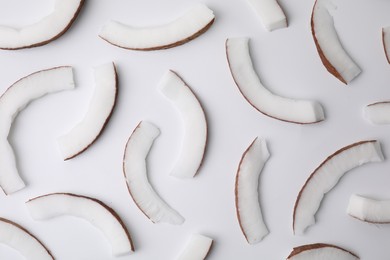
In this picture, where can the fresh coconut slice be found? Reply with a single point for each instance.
(378, 113)
(15, 99)
(321, 251)
(86, 132)
(245, 77)
(44, 31)
(334, 57)
(185, 28)
(369, 210)
(386, 42)
(134, 168)
(197, 248)
(326, 176)
(17, 237)
(194, 121)
(270, 12)
(246, 191)
(92, 210)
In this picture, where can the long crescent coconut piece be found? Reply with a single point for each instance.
(334, 57)
(250, 86)
(87, 131)
(326, 176)
(248, 207)
(369, 210)
(92, 210)
(378, 113)
(18, 238)
(386, 42)
(321, 251)
(198, 248)
(270, 13)
(134, 168)
(15, 99)
(185, 28)
(194, 121)
(45, 30)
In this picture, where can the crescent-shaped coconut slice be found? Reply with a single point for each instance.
(195, 125)
(250, 86)
(378, 113)
(334, 57)
(134, 168)
(321, 251)
(326, 176)
(15, 99)
(197, 248)
(246, 191)
(270, 12)
(45, 30)
(23, 241)
(185, 28)
(369, 210)
(92, 210)
(86, 132)
(386, 42)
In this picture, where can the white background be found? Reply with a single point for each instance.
(287, 63)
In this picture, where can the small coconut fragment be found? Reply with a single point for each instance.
(321, 251)
(378, 113)
(270, 13)
(386, 42)
(197, 248)
(369, 210)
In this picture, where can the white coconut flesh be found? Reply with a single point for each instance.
(93, 211)
(194, 124)
(81, 136)
(270, 13)
(247, 196)
(369, 210)
(135, 170)
(386, 42)
(321, 252)
(185, 28)
(378, 113)
(197, 248)
(18, 238)
(245, 77)
(328, 44)
(43, 31)
(15, 99)
(326, 176)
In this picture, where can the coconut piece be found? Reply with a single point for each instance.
(92, 210)
(15, 99)
(45, 30)
(86, 132)
(134, 168)
(195, 125)
(386, 42)
(321, 251)
(247, 81)
(185, 28)
(248, 208)
(326, 176)
(270, 13)
(369, 210)
(378, 113)
(334, 57)
(197, 248)
(18, 238)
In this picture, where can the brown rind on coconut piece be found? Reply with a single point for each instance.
(384, 42)
(303, 248)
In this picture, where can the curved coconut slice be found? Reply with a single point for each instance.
(195, 125)
(86, 132)
(197, 248)
(189, 26)
(321, 252)
(326, 176)
(92, 210)
(378, 113)
(335, 59)
(23, 241)
(386, 42)
(369, 210)
(246, 79)
(270, 12)
(15, 99)
(246, 191)
(134, 168)
(44, 31)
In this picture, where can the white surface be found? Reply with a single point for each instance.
(286, 58)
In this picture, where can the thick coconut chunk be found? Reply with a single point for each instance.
(326, 176)
(246, 191)
(378, 113)
(185, 28)
(15, 99)
(92, 210)
(250, 86)
(197, 248)
(369, 210)
(270, 12)
(86, 132)
(135, 170)
(321, 252)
